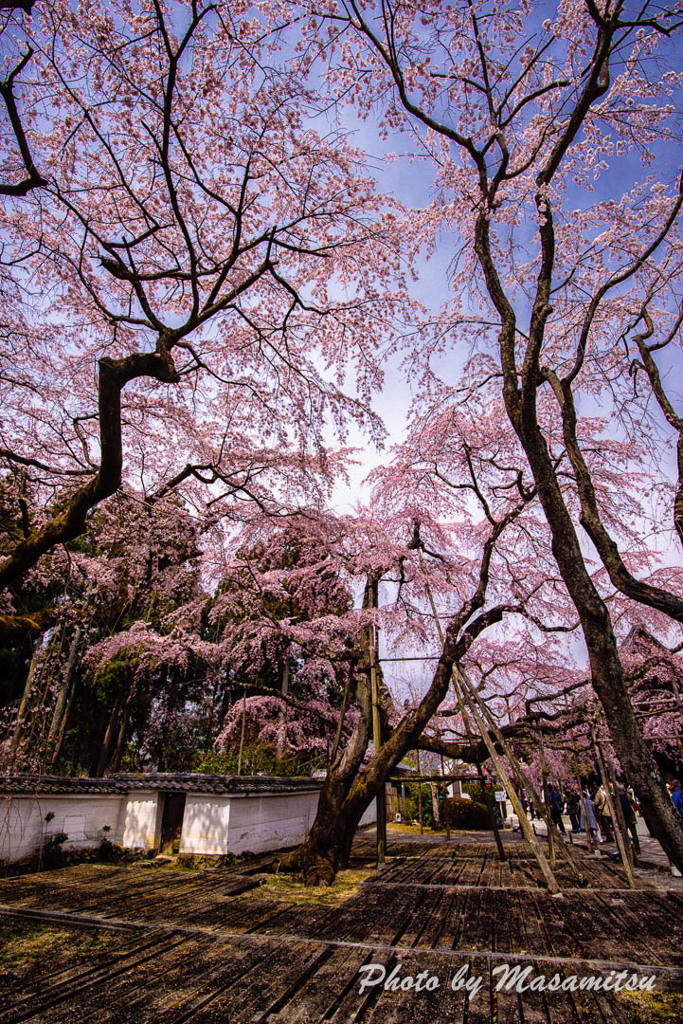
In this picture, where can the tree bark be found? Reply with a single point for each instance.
(120, 741)
(62, 698)
(68, 524)
(520, 394)
(106, 742)
(327, 847)
(606, 669)
(23, 706)
(349, 789)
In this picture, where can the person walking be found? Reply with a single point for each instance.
(602, 812)
(676, 795)
(590, 820)
(556, 807)
(630, 818)
(573, 810)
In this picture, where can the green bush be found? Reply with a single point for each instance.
(487, 798)
(411, 805)
(110, 852)
(51, 853)
(467, 814)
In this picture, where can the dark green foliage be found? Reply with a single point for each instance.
(257, 759)
(467, 814)
(112, 853)
(486, 797)
(412, 809)
(52, 854)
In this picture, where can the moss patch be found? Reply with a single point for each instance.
(24, 943)
(652, 1008)
(292, 890)
(413, 829)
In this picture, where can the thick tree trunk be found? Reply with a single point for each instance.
(606, 668)
(327, 847)
(348, 790)
(520, 394)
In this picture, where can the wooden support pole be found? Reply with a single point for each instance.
(480, 772)
(242, 730)
(525, 825)
(23, 706)
(63, 698)
(523, 778)
(546, 799)
(577, 772)
(377, 726)
(467, 694)
(621, 837)
(620, 817)
(468, 731)
(445, 804)
(419, 793)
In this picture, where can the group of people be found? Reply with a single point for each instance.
(591, 809)
(599, 819)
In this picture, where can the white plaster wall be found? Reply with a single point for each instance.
(82, 816)
(370, 816)
(140, 821)
(260, 823)
(211, 824)
(206, 824)
(233, 824)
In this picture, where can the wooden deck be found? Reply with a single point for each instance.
(144, 945)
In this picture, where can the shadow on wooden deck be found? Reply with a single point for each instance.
(115, 945)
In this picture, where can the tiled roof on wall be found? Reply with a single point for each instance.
(21, 784)
(181, 782)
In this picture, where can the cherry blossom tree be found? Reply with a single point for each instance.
(136, 563)
(528, 122)
(198, 257)
(286, 623)
(452, 521)
(21, 172)
(166, 668)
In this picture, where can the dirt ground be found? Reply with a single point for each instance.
(429, 936)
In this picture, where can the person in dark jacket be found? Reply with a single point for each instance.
(630, 818)
(556, 806)
(677, 795)
(573, 810)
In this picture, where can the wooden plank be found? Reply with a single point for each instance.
(332, 982)
(353, 1007)
(423, 904)
(165, 993)
(424, 1007)
(259, 993)
(438, 923)
(139, 993)
(46, 1000)
(41, 972)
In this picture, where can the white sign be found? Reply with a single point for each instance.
(501, 796)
